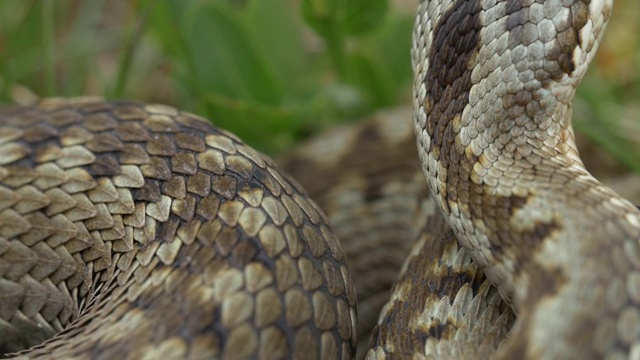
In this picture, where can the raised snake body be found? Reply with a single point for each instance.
(143, 231)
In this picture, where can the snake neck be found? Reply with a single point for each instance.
(493, 89)
(494, 81)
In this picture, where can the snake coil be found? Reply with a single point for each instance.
(141, 231)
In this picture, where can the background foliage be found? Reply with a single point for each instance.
(272, 71)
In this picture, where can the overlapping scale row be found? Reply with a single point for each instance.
(145, 231)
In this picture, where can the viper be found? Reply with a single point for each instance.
(142, 231)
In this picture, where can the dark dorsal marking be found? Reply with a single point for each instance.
(561, 49)
(448, 82)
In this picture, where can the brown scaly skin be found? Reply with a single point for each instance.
(493, 87)
(138, 230)
(469, 319)
(367, 179)
(152, 282)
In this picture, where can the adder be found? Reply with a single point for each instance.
(141, 231)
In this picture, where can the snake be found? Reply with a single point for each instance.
(142, 231)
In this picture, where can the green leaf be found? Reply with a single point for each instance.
(372, 79)
(380, 64)
(225, 58)
(345, 16)
(320, 15)
(363, 15)
(274, 29)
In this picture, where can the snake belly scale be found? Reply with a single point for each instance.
(137, 230)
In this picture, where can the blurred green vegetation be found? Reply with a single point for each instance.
(272, 71)
(254, 67)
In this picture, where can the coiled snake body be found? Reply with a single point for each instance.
(140, 231)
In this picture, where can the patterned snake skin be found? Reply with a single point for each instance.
(144, 232)
(140, 231)
(493, 87)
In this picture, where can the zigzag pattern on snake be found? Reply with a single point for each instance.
(140, 231)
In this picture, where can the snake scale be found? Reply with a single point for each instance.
(141, 231)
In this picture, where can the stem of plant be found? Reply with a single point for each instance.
(48, 52)
(133, 38)
(336, 46)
